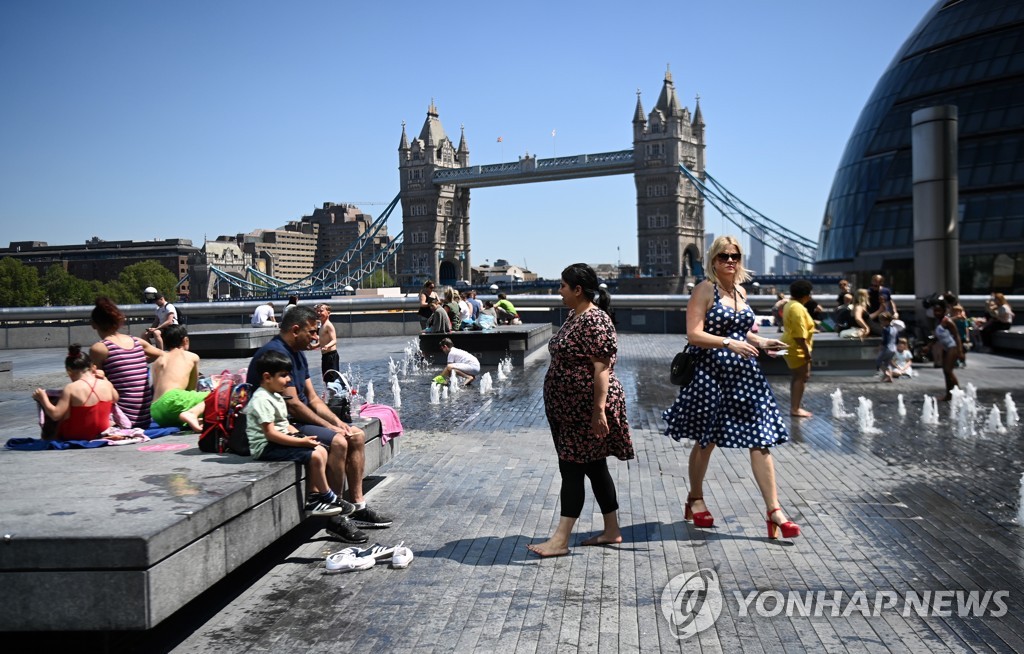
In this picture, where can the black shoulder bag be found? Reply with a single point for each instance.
(684, 366)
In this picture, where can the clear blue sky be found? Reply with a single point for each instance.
(143, 120)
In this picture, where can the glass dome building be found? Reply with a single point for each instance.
(968, 53)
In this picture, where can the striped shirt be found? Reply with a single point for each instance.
(128, 371)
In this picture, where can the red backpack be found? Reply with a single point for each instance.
(223, 406)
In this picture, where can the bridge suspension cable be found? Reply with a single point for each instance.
(336, 275)
(752, 222)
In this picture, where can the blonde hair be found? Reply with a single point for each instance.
(862, 297)
(719, 245)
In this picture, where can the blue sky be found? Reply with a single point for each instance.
(143, 120)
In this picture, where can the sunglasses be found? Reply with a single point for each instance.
(728, 256)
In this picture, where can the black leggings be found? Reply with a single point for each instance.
(572, 486)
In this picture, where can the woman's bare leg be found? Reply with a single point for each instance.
(698, 468)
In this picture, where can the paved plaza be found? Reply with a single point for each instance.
(900, 529)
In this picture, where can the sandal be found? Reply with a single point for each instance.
(703, 519)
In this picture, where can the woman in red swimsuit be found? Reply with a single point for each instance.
(84, 407)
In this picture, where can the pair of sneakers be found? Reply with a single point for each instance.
(321, 504)
(346, 529)
(355, 558)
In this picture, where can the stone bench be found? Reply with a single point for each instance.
(1011, 340)
(236, 342)
(491, 346)
(830, 353)
(119, 538)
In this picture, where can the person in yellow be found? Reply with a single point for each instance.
(798, 331)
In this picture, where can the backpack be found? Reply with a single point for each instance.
(222, 429)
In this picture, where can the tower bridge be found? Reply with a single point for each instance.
(667, 164)
(436, 179)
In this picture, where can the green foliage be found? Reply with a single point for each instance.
(64, 289)
(19, 284)
(378, 279)
(136, 277)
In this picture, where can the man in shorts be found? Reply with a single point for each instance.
(312, 417)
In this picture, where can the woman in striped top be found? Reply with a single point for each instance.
(124, 360)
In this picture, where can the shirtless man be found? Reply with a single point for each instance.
(176, 403)
(328, 342)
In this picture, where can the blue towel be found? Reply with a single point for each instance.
(37, 444)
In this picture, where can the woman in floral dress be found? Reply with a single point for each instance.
(585, 407)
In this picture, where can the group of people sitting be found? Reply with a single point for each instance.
(458, 312)
(285, 419)
(146, 384)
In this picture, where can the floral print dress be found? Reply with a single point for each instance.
(569, 390)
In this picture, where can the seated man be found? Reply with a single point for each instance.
(507, 314)
(166, 315)
(438, 322)
(263, 316)
(272, 438)
(460, 362)
(176, 402)
(344, 443)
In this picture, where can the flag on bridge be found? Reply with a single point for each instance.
(499, 139)
(552, 133)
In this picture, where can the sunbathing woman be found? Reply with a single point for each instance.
(124, 360)
(85, 404)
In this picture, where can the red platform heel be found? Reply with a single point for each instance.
(704, 519)
(789, 529)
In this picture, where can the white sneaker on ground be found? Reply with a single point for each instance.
(402, 557)
(345, 561)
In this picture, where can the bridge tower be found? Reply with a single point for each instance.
(670, 211)
(435, 218)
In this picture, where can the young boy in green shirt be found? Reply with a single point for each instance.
(273, 438)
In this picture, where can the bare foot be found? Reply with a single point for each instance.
(471, 380)
(190, 420)
(548, 549)
(801, 413)
(603, 539)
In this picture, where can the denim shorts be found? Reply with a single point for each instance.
(276, 452)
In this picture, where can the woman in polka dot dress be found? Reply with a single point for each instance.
(729, 402)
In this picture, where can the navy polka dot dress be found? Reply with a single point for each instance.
(729, 402)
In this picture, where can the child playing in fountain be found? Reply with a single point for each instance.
(83, 410)
(176, 401)
(273, 438)
(890, 334)
(460, 362)
(902, 362)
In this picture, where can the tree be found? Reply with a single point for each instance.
(136, 277)
(378, 279)
(64, 289)
(19, 284)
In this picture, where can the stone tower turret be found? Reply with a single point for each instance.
(435, 218)
(670, 211)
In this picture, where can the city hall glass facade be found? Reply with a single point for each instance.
(968, 53)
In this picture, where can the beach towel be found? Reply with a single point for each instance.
(130, 437)
(390, 425)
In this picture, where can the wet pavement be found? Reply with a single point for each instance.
(900, 529)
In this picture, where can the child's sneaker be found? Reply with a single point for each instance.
(440, 380)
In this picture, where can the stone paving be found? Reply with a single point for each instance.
(886, 518)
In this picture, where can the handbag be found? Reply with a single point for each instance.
(684, 366)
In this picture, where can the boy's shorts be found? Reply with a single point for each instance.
(277, 452)
(165, 410)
